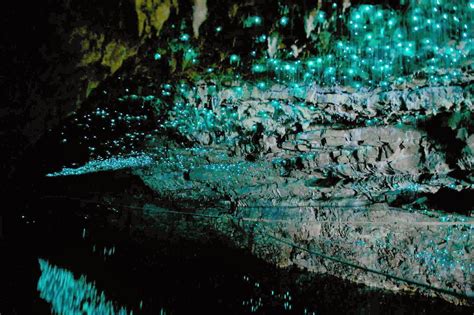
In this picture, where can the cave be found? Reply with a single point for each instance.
(237, 157)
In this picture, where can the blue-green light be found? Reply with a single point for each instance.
(184, 37)
(284, 21)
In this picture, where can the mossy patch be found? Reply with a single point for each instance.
(115, 53)
(152, 14)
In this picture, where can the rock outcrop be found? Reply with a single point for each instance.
(293, 189)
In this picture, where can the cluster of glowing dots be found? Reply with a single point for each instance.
(431, 40)
(456, 240)
(371, 46)
(109, 164)
(263, 298)
(68, 295)
(384, 46)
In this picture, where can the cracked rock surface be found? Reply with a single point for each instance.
(289, 186)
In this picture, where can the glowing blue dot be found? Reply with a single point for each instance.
(284, 21)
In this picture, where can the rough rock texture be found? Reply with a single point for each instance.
(281, 174)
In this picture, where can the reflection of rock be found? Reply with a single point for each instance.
(377, 237)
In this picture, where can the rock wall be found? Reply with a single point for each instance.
(284, 182)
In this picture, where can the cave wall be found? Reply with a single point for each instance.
(57, 56)
(362, 174)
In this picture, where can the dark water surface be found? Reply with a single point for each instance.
(171, 277)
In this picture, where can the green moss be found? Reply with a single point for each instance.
(115, 54)
(91, 85)
(90, 45)
(152, 14)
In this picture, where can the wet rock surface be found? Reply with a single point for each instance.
(357, 192)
